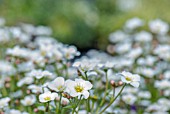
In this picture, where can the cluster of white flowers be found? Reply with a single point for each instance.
(39, 74)
(147, 53)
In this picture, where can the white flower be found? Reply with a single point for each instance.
(121, 48)
(4, 102)
(13, 111)
(143, 36)
(117, 36)
(57, 85)
(78, 87)
(38, 74)
(146, 71)
(134, 53)
(158, 26)
(70, 52)
(18, 52)
(129, 78)
(144, 94)
(6, 68)
(47, 96)
(133, 23)
(42, 30)
(167, 74)
(129, 98)
(25, 80)
(162, 84)
(35, 88)
(84, 65)
(28, 100)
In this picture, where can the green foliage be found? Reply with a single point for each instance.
(85, 23)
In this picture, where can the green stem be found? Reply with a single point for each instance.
(112, 100)
(47, 107)
(104, 98)
(29, 110)
(59, 107)
(88, 105)
(92, 107)
(74, 109)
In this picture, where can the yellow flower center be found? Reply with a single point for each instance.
(79, 88)
(29, 102)
(60, 87)
(43, 53)
(47, 98)
(128, 78)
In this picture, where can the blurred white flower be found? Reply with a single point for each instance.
(129, 99)
(42, 30)
(26, 66)
(13, 111)
(143, 36)
(162, 84)
(159, 27)
(134, 53)
(167, 74)
(118, 36)
(29, 100)
(17, 51)
(127, 5)
(25, 80)
(121, 48)
(144, 94)
(35, 88)
(133, 23)
(4, 102)
(147, 72)
(38, 74)
(6, 68)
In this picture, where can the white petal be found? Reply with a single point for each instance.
(136, 77)
(59, 81)
(135, 84)
(74, 93)
(87, 85)
(53, 96)
(86, 94)
(52, 86)
(41, 98)
(79, 80)
(124, 73)
(70, 84)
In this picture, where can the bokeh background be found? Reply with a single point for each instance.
(84, 23)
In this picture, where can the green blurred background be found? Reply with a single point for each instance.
(84, 23)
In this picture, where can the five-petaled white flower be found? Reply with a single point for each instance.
(129, 78)
(47, 96)
(57, 85)
(78, 87)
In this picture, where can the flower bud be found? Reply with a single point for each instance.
(112, 82)
(120, 83)
(7, 85)
(28, 91)
(35, 109)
